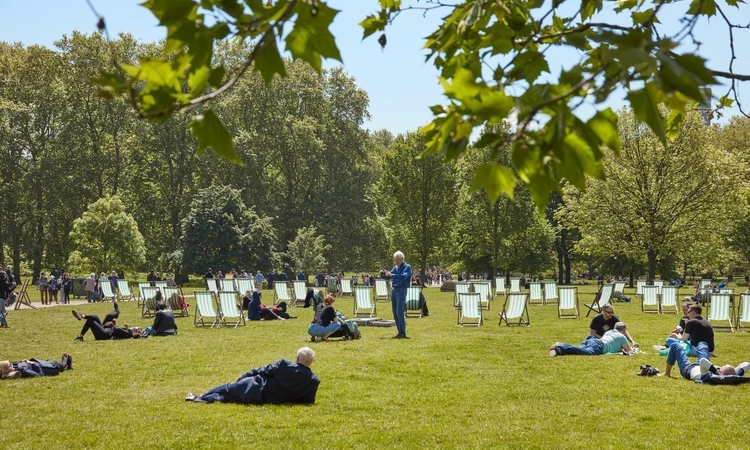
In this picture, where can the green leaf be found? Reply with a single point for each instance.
(172, 11)
(268, 61)
(702, 7)
(529, 65)
(725, 102)
(372, 24)
(640, 17)
(210, 132)
(198, 80)
(697, 66)
(622, 5)
(495, 180)
(645, 106)
(735, 3)
(673, 124)
(310, 39)
(604, 125)
(589, 8)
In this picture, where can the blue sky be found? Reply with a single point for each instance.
(400, 85)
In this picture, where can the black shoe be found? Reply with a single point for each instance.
(77, 315)
(79, 338)
(70, 362)
(117, 308)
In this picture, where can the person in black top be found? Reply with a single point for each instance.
(325, 321)
(605, 321)
(4, 295)
(108, 329)
(269, 279)
(697, 329)
(164, 324)
(209, 274)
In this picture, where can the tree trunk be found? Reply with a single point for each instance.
(632, 277)
(560, 257)
(17, 262)
(567, 268)
(651, 265)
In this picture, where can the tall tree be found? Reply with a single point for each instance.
(306, 251)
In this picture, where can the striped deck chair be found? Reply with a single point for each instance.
(669, 299)
(300, 292)
(514, 310)
(281, 292)
(382, 290)
(107, 293)
(484, 288)
(413, 307)
(568, 302)
(619, 289)
(515, 285)
(726, 291)
(125, 293)
(470, 314)
(346, 287)
(148, 294)
(227, 285)
(500, 286)
(461, 288)
(141, 287)
(720, 310)
(535, 294)
(245, 284)
(650, 299)
(205, 310)
(228, 309)
(743, 318)
(659, 285)
(22, 297)
(161, 285)
(171, 298)
(331, 285)
(550, 292)
(364, 306)
(213, 286)
(705, 281)
(605, 296)
(705, 294)
(639, 287)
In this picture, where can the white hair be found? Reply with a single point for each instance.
(620, 326)
(398, 254)
(305, 356)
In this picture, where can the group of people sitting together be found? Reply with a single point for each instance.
(693, 336)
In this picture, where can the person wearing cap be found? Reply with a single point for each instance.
(605, 321)
(613, 341)
(33, 367)
(280, 382)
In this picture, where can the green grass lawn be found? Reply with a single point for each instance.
(447, 387)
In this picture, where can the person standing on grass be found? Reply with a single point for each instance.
(52, 288)
(259, 281)
(401, 278)
(66, 288)
(4, 295)
(89, 284)
(41, 284)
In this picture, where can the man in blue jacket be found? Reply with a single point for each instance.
(280, 382)
(33, 367)
(401, 279)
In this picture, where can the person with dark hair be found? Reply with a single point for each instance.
(209, 274)
(33, 367)
(108, 329)
(697, 329)
(613, 341)
(4, 296)
(164, 324)
(325, 321)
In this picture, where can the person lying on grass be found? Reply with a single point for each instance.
(33, 367)
(605, 321)
(258, 311)
(108, 329)
(164, 324)
(702, 366)
(279, 382)
(613, 341)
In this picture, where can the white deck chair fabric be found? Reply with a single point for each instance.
(669, 299)
(229, 310)
(500, 286)
(141, 287)
(346, 286)
(659, 285)
(744, 316)
(300, 292)
(149, 301)
(461, 288)
(171, 294)
(619, 289)
(514, 310)
(535, 293)
(107, 292)
(227, 285)
(639, 287)
(550, 292)
(125, 293)
(244, 285)
(413, 307)
(484, 289)
(381, 290)
(364, 306)
(604, 299)
(205, 310)
(470, 314)
(160, 285)
(212, 286)
(704, 282)
(515, 285)
(650, 300)
(281, 289)
(568, 303)
(720, 310)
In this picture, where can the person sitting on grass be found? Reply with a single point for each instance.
(694, 371)
(325, 321)
(164, 324)
(697, 329)
(257, 310)
(613, 341)
(605, 321)
(279, 382)
(33, 367)
(108, 329)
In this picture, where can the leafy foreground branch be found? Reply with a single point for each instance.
(491, 56)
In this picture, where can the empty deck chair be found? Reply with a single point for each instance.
(604, 297)
(568, 302)
(148, 294)
(382, 290)
(500, 286)
(535, 294)
(650, 299)
(639, 287)
(281, 292)
(244, 285)
(229, 312)
(550, 292)
(161, 285)
(469, 313)
(300, 292)
(141, 287)
(172, 300)
(619, 289)
(659, 285)
(484, 288)
(515, 285)
(346, 287)
(461, 288)
(125, 293)
(213, 286)
(364, 306)
(227, 285)
(413, 305)
(205, 310)
(514, 310)
(22, 297)
(107, 293)
(668, 303)
(743, 318)
(720, 310)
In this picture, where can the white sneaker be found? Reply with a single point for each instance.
(742, 368)
(705, 366)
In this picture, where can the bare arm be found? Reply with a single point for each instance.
(593, 333)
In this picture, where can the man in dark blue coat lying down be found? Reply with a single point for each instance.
(35, 367)
(280, 382)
